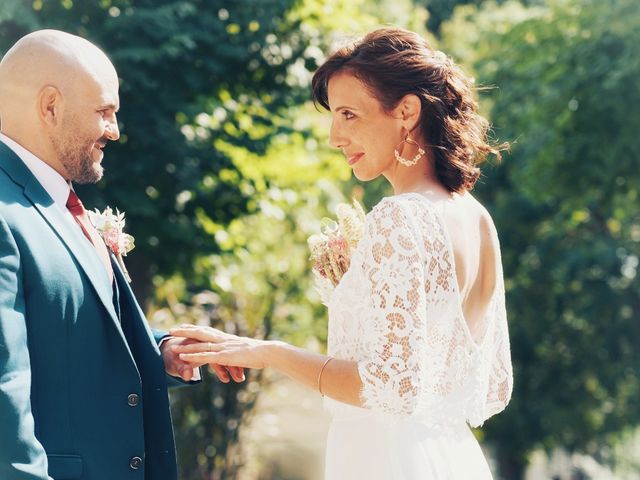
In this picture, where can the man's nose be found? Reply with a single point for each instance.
(112, 131)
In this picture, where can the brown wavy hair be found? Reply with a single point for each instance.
(394, 62)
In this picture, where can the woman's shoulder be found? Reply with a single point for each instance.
(408, 213)
(410, 208)
(403, 204)
(485, 220)
(421, 213)
(391, 210)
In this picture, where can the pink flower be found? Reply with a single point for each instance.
(110, 238)
(110, 226)
(331, 250)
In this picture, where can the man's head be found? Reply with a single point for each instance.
(58, 99)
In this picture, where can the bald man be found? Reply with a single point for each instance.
(83, 389)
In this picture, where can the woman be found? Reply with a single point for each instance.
(418, 346)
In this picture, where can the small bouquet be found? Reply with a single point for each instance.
(110, 226)
(331, 250)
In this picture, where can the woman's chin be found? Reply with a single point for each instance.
(364, 176)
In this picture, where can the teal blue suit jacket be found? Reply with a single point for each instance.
(83, 392)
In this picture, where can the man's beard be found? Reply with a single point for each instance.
(75, 157)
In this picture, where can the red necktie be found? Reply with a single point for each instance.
(80, 214)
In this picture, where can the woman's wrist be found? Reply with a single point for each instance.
(269, 352)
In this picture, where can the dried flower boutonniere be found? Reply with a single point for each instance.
(111, 229)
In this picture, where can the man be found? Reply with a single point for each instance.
(83, 391)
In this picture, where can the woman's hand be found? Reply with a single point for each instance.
(338, 379)
(215, 347)
(187, 332)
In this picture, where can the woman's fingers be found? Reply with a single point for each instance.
(203, 334)
(202, 353)
(199, 357)
(237, 373)
(224, 372)
(198, 347)
(220, 372)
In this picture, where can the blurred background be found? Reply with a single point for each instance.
(223, 170)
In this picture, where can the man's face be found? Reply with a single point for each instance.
(89, 122)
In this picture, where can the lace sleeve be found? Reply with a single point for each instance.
(394, 269)
(500, 384)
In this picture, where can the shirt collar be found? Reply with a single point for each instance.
(54, 184)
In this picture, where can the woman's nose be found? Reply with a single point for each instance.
(336, 137)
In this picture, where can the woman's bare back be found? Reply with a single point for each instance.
(475, 250)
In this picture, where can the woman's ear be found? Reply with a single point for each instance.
(409, 109)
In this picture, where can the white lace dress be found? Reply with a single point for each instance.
(398, 313)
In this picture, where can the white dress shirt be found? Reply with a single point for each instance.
(53, 183)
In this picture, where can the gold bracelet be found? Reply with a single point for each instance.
(320, 374)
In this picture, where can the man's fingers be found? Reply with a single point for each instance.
(186, 373)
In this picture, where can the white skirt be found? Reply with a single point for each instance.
(376, 447)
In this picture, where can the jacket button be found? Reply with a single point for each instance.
(133, 400)
(135, 463)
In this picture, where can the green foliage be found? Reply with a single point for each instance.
(566, 205)
(177, 59)
(441, 10)
(223, 174)
(219, 191)
(258, 284)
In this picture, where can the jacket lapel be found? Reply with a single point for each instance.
(118, 284)
(75, 241)
(128, 298)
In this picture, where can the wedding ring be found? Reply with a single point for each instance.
(209, 346)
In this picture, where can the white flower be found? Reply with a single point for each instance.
(331, 250)
(110, 226)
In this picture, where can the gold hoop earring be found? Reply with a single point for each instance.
(405, 161)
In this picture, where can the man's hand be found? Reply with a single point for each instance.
(172, 363)
(187, 371)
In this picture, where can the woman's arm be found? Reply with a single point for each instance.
(338, 379)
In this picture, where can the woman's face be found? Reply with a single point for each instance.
(361, 128)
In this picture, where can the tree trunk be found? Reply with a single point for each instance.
(141, 278)
(511, 466)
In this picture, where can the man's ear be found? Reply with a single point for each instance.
(50, 105)
(409, 109)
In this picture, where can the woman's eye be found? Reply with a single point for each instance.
(347, 114)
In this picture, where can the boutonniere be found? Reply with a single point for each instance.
(110, 226)
(332, 249)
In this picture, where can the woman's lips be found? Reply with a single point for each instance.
(354, 158)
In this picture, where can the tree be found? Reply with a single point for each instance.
(177, 59)
(566, 205)
(259, 283)
(441, 10)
